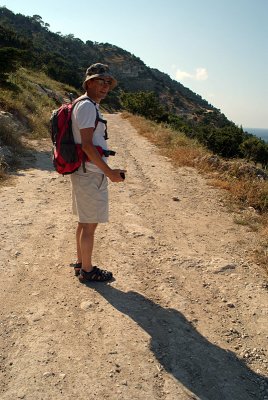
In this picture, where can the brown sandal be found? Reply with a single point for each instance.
(96, 275)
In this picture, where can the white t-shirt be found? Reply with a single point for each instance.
(84, 116)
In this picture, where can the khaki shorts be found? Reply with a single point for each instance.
(90, 197)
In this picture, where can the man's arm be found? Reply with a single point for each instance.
(95, 157)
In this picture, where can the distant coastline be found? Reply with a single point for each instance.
(259, 132)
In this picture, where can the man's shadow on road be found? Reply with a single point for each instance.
(205, 369)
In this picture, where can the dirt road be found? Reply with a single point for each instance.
(185, 318)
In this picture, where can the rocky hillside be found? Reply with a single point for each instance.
(47, 50)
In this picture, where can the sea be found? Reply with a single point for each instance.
(259, 132)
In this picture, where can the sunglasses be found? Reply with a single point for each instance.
(103, 82)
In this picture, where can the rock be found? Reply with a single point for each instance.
(48, 374)
(9, 122)
(6, 156)
(86, 305)
(230, 305)
(225, 268)
(36, 318)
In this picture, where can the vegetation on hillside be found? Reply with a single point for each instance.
(214, 131)
(13, 52)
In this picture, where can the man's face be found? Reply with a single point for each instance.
(98, 88)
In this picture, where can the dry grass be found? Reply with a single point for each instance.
(251, 193)
(180, 149)
(247, 194)
(24, 98)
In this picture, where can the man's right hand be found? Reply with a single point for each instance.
(115, 175)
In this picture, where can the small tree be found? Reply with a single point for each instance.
(262, 154)
(142, 103)
(249, 147)
(256, 150)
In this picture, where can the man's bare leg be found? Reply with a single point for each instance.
(86, 244)
(78, 248)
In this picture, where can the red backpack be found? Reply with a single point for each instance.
(67, 155)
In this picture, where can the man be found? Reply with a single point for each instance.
(89, 183)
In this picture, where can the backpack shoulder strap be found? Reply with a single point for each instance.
(89, 99)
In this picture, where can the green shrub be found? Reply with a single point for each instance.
(145, 104)
(256, 150)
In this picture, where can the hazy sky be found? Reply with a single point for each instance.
(217, 48)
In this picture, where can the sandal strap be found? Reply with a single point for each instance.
(76, 265)
(96, 274)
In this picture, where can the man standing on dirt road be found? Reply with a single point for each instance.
(89, 183)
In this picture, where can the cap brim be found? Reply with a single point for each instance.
(104, 75)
